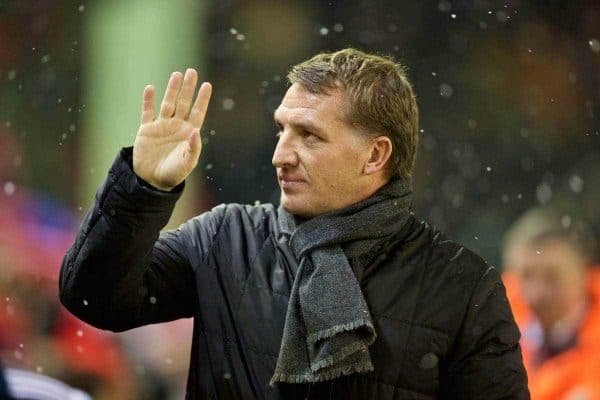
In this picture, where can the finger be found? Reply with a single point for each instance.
(182, 108)
(201, 105)
(167, 107)
(148, 105)
(194, 147)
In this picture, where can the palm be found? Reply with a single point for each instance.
(167, 148)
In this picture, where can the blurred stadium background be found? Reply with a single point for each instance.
(509, 93)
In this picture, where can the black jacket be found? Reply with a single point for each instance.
(445, 329)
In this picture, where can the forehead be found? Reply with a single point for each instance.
(299, 104)
(554, 256)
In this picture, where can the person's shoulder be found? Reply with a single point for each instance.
(446, 256)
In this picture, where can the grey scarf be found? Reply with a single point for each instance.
(328, 327)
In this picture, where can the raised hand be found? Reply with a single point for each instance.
(167, 148)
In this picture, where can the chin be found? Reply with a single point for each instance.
(297, 207)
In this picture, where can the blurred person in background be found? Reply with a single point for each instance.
(339, 293)
(36, 333)
(554, 290)
(16, 384)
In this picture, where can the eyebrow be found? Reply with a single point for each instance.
(302, 124)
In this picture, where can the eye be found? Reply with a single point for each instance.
(309, 135)
(279, 129)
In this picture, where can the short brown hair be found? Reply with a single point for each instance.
(542, 224)
(381, 99)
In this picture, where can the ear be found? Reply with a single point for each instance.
(380, 153)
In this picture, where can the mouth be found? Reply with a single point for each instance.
(289, 182)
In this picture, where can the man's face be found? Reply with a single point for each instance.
(319, 157)
(552, 277)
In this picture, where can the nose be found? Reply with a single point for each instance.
(285, 153)
(537, 294)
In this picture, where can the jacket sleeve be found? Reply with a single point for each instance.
(119, 273)
(487, 363)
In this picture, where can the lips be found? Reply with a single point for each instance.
(288, 182)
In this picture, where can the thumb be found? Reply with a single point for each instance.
(194, 144)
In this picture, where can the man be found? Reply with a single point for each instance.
(339, 293)
(556, 298)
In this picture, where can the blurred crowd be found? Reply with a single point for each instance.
(510, 103)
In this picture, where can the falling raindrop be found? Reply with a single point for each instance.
(576, 183)
(9, 188)
(543, 193)
(446, 90)
(228, 104)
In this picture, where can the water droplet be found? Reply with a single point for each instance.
(323, 31)
(9, 188)
(488, 168)
(39, 369)
(45, 59)
(12, 74)
(240, 37)
(543, 193)
(79, 348)
(594, 45)
(233, 31)
(565, 221)
(85, 302)
(81, 8)
(152, 300)
(446, 90)
(228, 104)
(576, 183)
(428, 361)
(338, 28)
(444, 6)
(501, 16)
(453, 16)
(208, 166)
(79, 332)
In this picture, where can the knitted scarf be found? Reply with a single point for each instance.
(328, 327)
